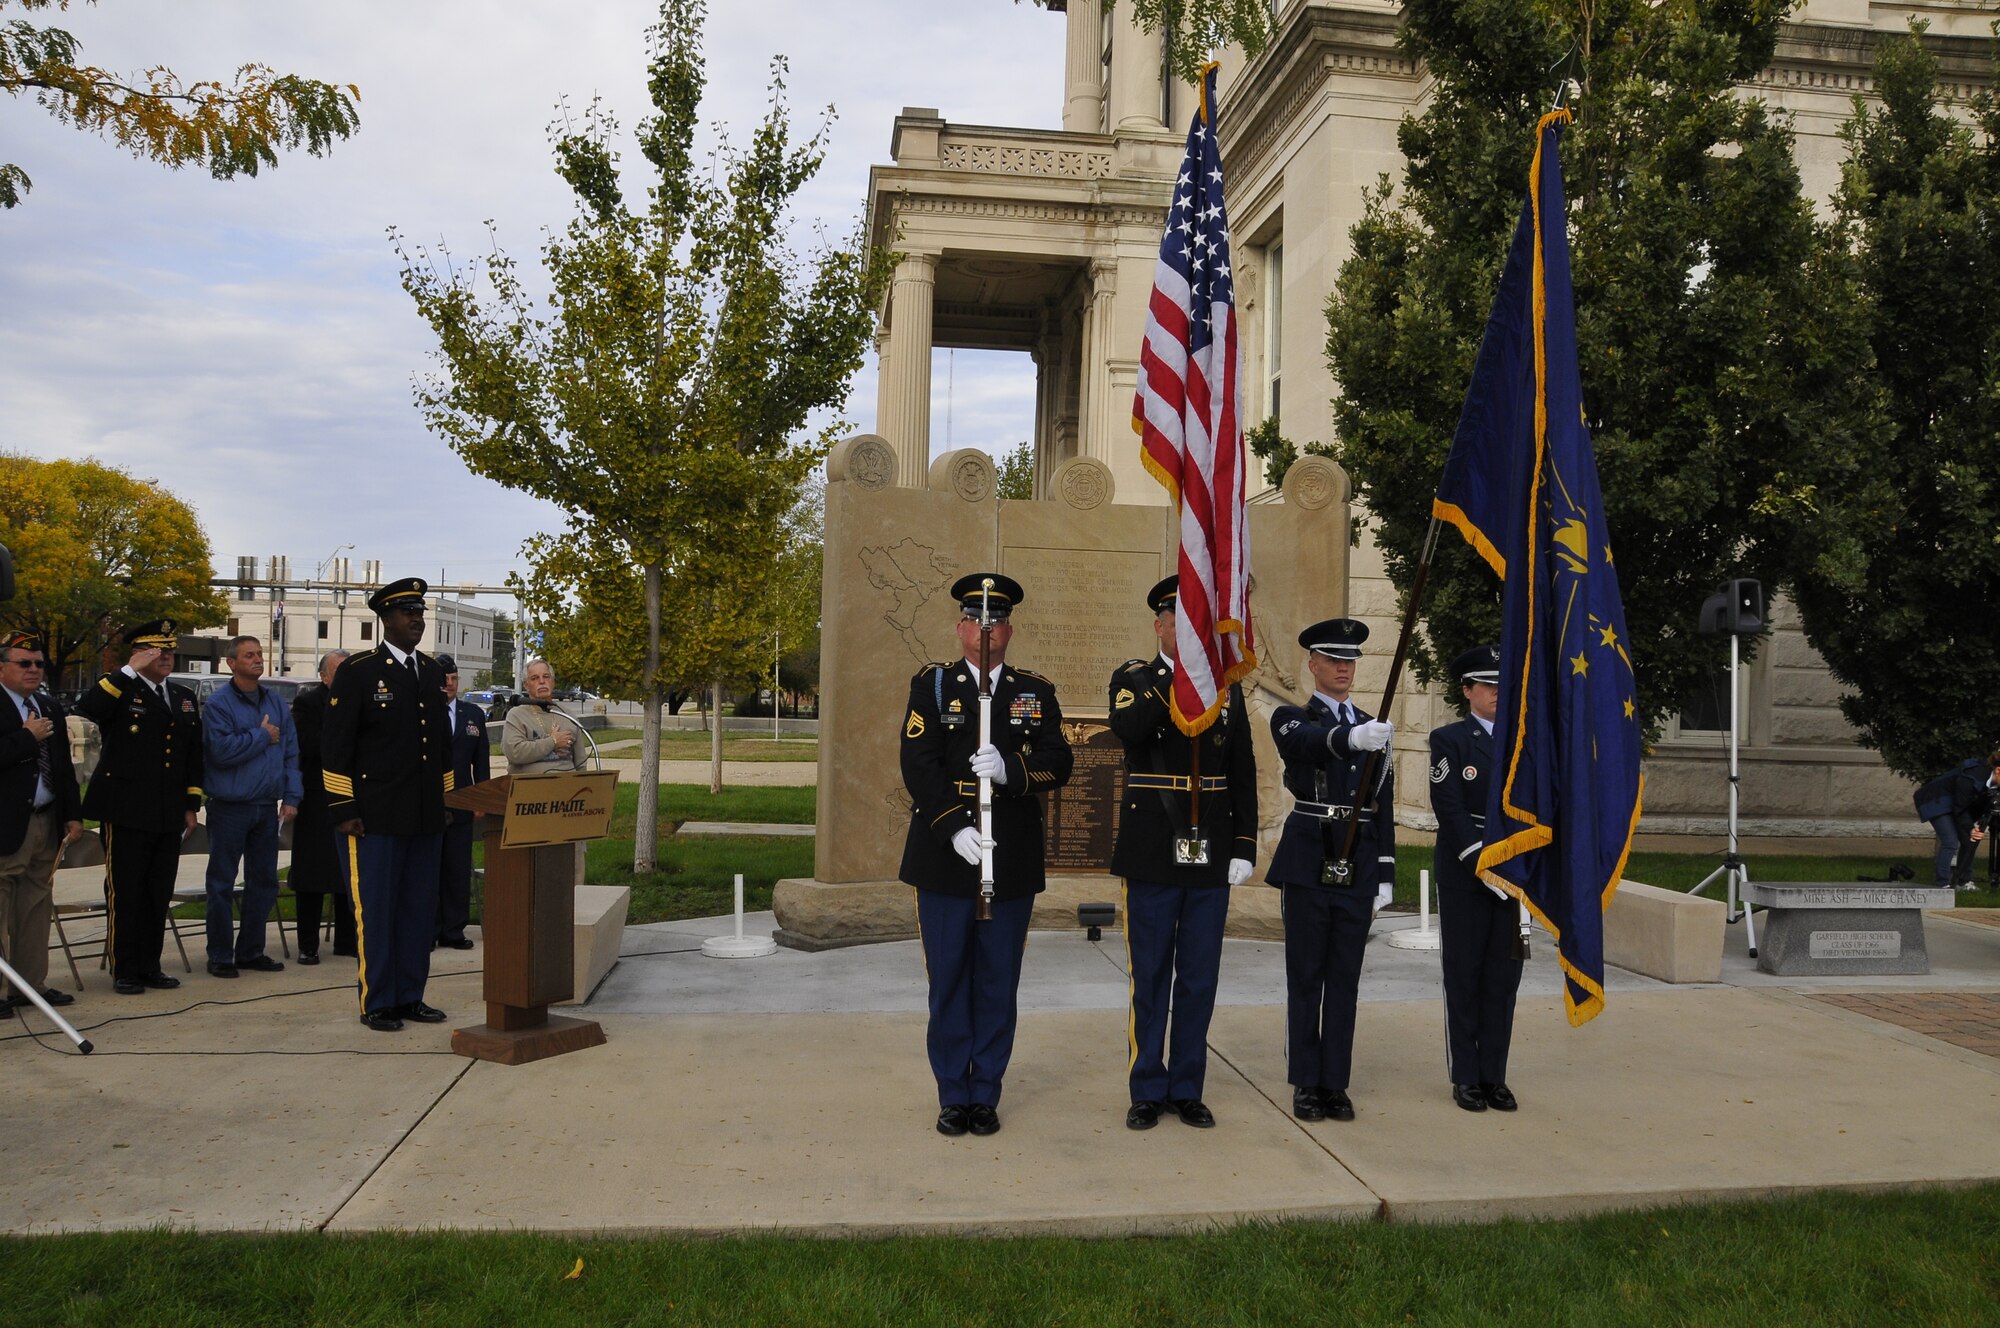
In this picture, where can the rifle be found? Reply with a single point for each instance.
(985, 912)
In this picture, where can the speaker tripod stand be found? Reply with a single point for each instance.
(1733, 872)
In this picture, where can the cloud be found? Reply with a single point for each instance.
(247, 343)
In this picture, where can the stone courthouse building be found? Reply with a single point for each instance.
(1044, 241)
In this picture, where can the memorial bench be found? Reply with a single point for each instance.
(1843, 929)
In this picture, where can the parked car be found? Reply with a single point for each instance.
(204, 685)
(497, 700)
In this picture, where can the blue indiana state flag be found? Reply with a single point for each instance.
(1521, 486)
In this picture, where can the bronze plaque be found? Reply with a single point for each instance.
(1083, 814)
(558, 808)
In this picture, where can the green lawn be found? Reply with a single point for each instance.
(1930, 1259)
(1684, 871)
(679, 745)
(694, 878)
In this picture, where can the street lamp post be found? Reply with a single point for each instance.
(340, 603)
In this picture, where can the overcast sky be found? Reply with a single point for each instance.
(246, 343)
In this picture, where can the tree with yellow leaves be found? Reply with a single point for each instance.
(232, 129)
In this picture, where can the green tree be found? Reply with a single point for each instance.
(97, 551)
(1906, 618)
(1016, 472)
(231, 129)
(1722, 353)
(1197, 28)
(661, 399)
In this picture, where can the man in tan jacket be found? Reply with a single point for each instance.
(537, 739)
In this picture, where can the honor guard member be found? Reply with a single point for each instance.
(974, 967)
(146, 790)
(1479, 922)
(471, 763)
(1324, 744)
(1177, 871)
(387, 756)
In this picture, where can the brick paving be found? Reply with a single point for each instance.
(1969, 1019)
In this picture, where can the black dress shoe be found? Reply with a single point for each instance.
(308, 959)
(216, 970)
(160, 981)
(383, 1021)
(1193, 1111)
(128, 986)
(1498, 1098)
(982, 1119)
(951, 1119)
(262, 964)
(7, 1010)
(1472, 1099)
(454, 943)
(1337, 1105)
(1306, 1104)
(51, 996)
(423, 1014)
(1142, 1116)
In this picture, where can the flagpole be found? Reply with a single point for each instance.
(1343, 868)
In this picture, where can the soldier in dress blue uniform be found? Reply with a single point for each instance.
(471, 763)
(1177, 878)
(1479, 923)
(146, 791)
(1324, 744)
(387, 755)
(974, 967)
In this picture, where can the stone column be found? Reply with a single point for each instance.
(1136, 56)
(903, 414)
(1101, 432)
(1083, 71)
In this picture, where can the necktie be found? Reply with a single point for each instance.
(42, 766)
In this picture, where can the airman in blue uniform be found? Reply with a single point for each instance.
(1329, 900)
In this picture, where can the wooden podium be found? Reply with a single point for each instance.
(532, 825)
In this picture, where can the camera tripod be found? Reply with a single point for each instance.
(1733, 871)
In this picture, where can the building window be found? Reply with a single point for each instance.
(232, 628)
(322, 629)
(1104, 58)
(1274, 326)
(367, 631)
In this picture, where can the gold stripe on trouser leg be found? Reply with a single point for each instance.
(360, 934)
(1131, 983)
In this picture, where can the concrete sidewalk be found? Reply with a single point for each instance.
(792, 1093)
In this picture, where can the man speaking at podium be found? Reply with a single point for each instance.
(387, 754)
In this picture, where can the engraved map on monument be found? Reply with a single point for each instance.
(905, 577)
(1085, 615)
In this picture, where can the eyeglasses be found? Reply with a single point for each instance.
(29, 663)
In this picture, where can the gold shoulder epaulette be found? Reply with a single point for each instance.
(1030, 673)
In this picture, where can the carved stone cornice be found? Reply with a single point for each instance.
(1317, 42)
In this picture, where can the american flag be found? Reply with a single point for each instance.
(1191, 434)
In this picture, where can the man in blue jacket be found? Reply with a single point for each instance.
(251, 753)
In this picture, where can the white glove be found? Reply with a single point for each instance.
(987, 763)
(966, 842)
(1239, 870)
(1372, 736)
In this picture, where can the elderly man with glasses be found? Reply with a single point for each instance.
(39, 814)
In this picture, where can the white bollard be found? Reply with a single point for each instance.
(739, 946)
(1423, 938)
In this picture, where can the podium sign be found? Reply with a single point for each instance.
(558, 808)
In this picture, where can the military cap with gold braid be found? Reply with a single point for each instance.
(405, 594)
(971, 592)
(1166, 596)
(156, 635)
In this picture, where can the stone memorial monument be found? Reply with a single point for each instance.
(1086, 562)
